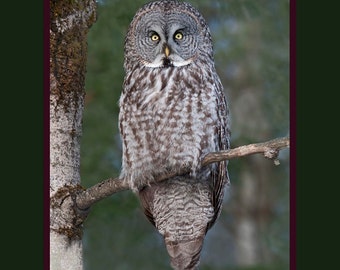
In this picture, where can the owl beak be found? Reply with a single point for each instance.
(166, 51)
(166, 60)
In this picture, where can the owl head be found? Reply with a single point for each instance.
(167, 34)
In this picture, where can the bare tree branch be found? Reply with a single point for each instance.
(270, 149)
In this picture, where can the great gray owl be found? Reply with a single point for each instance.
(173, 112)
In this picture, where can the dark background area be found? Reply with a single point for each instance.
(25, 154)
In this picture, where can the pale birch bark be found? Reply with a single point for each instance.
(70, 21)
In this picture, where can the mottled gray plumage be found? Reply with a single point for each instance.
(172, 113)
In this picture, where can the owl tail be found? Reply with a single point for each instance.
(181, 209)
(185, 255)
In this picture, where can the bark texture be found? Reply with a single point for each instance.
(69, 24)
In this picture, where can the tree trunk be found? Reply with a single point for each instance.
(254, 212)
(69, 24)
(254, 179)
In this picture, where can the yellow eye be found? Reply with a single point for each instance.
(178, 35)
(154, 37)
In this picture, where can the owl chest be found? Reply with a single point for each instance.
(172, 118)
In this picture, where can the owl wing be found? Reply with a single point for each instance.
(146, 196)
(219, 173)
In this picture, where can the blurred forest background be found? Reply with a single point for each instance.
(251, 41)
